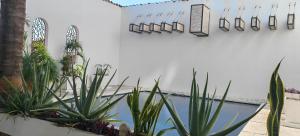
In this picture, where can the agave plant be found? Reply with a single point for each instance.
(201, 118)
(33, 96)
(145, 119)
(90, 104)
(276, 100)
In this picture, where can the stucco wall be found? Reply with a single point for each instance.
(247, 58)
(98, 23)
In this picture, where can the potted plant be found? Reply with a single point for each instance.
(72, 51)
(292, 111)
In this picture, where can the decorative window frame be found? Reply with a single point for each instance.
(76, 35)
(45, 37)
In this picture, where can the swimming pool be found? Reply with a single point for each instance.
(229, 111)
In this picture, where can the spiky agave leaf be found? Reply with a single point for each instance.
(201, 118)
(145, 120)
(85, 102)
(32, 97)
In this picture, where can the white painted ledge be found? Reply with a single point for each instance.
(19, 126)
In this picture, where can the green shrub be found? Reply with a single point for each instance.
(41, 58)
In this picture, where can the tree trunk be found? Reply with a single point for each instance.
(11, 40)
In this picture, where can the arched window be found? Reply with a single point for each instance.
(39, 30)
(72, 34)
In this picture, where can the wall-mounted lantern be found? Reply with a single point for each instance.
(199, 20)
(291, 21)
(166, 27)
(291, 18)
(255, 23)
(272, 18)
(272, 22)
(134, 28)
(239, 23)
(145, 28)
(178, 27)
(224, 24)
(155, 28)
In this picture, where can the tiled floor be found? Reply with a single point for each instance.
(257, 126)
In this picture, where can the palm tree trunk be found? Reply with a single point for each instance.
(11, 41)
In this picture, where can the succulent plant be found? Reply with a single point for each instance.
(276, 100)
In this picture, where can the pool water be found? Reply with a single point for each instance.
(229, 111)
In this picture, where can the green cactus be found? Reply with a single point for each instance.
(276, 100)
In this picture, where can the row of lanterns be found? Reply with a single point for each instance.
(163, 26)
(157, 28)
(200, 20)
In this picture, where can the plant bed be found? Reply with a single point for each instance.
(20, 126)
(292, 110)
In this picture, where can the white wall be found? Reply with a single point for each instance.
(98, 23)
(247, 58)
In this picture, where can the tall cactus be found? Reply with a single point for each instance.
(276, 100)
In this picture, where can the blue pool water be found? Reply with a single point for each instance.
(181, 103)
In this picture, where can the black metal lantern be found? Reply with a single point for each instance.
(178, 27)
(291, 21)
(145, 28)
(291, 17)
(199, 20)
(272, 22)
(134, 28)
(255, 23)
(224, 24)
(239, 24)
(272, 18)
(166, 27)
(155, 28)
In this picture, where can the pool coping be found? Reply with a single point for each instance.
(257, 126)
(128, 89)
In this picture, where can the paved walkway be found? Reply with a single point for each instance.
(257, 126)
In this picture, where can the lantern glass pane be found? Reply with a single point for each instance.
(237, 22)
(290, 19)
(196, 18)
(221, 23)
(227, 25)
(205, 26)
(272, 21)
(180, 27)
(254, 22)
